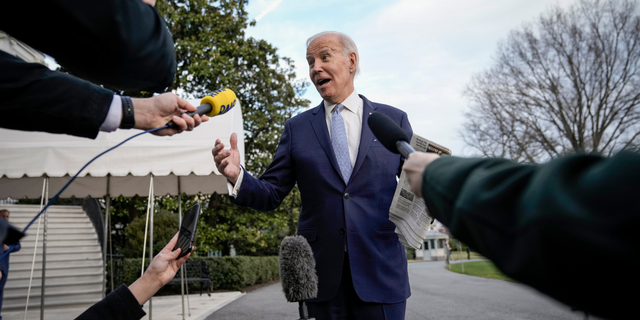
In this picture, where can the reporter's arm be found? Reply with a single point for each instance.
(565, 228)
(162, 269)
(120, 43)
(126, 303)
(35, 98)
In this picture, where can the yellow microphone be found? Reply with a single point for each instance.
(219, 102)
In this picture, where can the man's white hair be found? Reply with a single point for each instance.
(348, 45)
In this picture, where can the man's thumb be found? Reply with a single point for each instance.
(234, 141)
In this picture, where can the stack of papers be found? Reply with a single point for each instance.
(408, 211)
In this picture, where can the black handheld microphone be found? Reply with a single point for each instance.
(219, 102)
(390, 134)
(298, 272)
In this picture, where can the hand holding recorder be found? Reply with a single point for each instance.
(162, 268)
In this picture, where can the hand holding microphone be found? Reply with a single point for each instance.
(154, 112)
(414, 167)
(219, 102)
(179, 114)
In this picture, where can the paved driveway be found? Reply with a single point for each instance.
(436, 294)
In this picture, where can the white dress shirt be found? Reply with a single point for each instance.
(114, 116)
(352, 115)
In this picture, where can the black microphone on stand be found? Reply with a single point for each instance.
(390, 134)
(298, 272)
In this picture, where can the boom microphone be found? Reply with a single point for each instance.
(298, 272)
(390, 134)
(219, 102)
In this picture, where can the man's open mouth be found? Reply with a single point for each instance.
(323, 81)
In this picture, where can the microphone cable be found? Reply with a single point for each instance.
(55, 197)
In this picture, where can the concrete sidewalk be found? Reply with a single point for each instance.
(164, 308)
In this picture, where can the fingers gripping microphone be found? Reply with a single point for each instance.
(390, 134)
(219, 102)
(298, 272)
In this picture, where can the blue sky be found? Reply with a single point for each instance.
(417, 55)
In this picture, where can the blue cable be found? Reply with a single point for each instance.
(6, 253)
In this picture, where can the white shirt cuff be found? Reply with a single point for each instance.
(233, 190)
(114, 116)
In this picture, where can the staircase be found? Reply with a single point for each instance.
(74, 270)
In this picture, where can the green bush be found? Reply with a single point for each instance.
(165, 226)
(227, 273)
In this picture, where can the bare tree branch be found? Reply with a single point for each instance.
(568, 82)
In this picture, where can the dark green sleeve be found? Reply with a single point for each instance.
(568, 228)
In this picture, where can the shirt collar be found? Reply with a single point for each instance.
(353, 103)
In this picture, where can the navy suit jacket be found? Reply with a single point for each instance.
(334, 212)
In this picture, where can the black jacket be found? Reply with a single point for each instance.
(118, 305)
(568, 228)
(120, 43)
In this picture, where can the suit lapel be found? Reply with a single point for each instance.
(366, 136)
(319, 124)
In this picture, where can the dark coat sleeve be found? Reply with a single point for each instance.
(120, 43)
(567, 228)
(118, 305)
(35, 98)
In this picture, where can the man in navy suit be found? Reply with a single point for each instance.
(346, 180)
(4, 264)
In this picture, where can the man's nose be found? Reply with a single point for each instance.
(316, 68)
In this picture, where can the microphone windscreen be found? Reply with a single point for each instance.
(297, 269)
(387, 131)
(221, 101)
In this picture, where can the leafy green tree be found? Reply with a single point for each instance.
(213, 52)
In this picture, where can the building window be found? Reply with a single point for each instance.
(426, 245)
(433, 244)
(440, 243)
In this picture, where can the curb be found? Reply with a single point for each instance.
(219, 306)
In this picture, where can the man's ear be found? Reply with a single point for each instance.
(353, 61)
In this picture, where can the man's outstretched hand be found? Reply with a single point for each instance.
(228, 161)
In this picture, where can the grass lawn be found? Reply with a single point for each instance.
(485, 269)
(455, 255)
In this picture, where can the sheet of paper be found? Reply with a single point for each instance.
(408, 211)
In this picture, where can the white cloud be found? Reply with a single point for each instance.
(271, 6)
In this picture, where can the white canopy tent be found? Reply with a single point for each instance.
(27, 157)
(145, 165)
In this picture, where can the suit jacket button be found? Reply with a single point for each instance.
(347, 196)
(342, 231)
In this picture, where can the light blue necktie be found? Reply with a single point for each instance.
(339, 142)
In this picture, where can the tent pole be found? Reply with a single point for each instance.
(180, 224)
(35, 249)
(151, 238)
(109, 228)
(44, 251)
(146, 229)
(104, 239)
